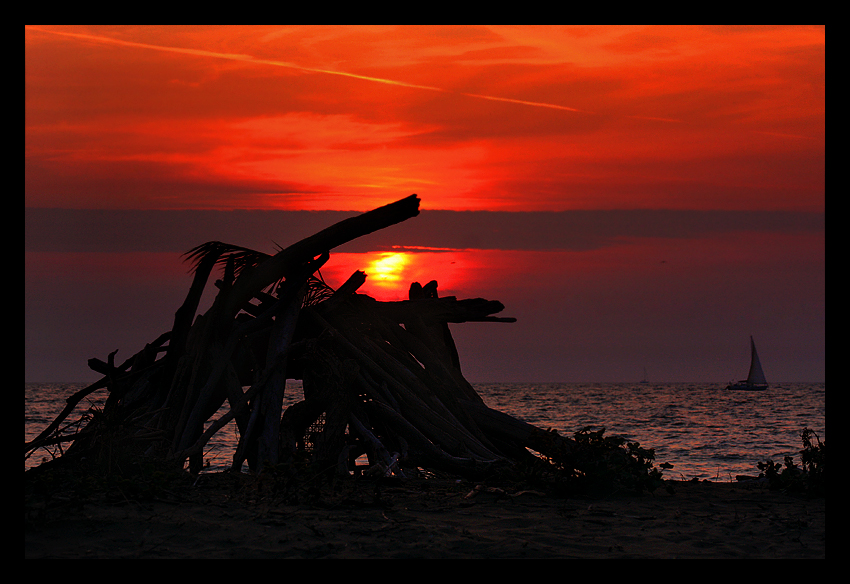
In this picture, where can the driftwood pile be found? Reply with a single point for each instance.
(380, 378)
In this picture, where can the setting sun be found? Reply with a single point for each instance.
(387, 269)
(389, 274)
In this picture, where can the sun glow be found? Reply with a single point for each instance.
(389, 274)
(387, 269)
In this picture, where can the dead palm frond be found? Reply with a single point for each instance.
(317, 290)
(221, 253)
(244, 258)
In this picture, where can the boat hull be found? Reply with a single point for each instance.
(747, 386)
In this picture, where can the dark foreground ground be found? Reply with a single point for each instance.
(227, 516)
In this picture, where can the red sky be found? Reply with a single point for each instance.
(546, 119)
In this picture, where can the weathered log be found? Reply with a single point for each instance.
(436, 335)
(196, 377)
(440, 382)
(111, 372)
(379, 456)
(70, 404)
(349, 287)
(426, 451)
(328, 382)
(217, 425)
(415, 398)
(238, 405)
(107, 368)
(444, 379)
(272, 398)
(509, 429)
(184, 315)
(447, 309)
(283, 330)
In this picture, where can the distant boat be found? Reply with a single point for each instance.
(644, 380)
(755, 380)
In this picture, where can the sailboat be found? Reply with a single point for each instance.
(644, 380)
(755, 380)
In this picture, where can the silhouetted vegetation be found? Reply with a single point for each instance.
(590, 464)
(809, 477)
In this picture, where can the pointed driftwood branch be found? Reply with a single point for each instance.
(275, 267)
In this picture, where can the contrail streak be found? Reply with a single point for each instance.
(250, 59)
(522, 102)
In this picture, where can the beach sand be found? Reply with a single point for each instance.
(225, 516)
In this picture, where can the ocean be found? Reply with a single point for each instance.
(701, 429)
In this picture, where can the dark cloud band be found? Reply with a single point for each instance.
(74, 230)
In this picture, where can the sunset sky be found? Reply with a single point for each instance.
(637, 197)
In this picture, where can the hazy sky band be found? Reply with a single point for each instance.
(74, 230)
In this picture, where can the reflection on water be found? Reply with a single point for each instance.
(701, 429)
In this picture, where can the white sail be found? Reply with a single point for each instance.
(755, 380)
(756, 376)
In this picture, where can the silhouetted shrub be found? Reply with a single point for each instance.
(809, 478)
(597, 464)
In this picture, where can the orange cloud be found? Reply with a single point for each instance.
(469, 117)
